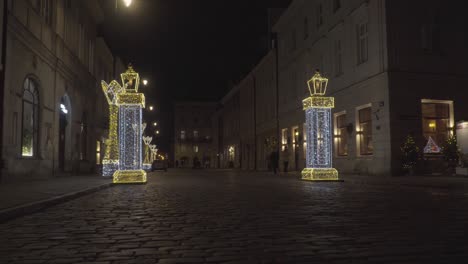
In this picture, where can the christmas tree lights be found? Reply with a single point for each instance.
(317, 108)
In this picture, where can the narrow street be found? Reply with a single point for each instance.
(203, 216)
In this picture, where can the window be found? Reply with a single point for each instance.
(319, 15)
(338, 58)
(293, 40)
(195, 134)
(284, 138)
(341, 134)
(98, 152)
(336, 5)
(306, 28)
(431, 36)
(436, 120)
(30, 119)
(364, 131)
(195, 149)
(182, 135)
(295, 137)
(362, 42)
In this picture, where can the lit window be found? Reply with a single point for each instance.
(341, 135)
(30, 119)
(362, 42)
(182, 135)
(195, 149)
(436, 119)
(195, 134)
(284, 138)
(365, 131)
(98, 152)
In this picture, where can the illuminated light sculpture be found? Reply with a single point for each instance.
(319, 155)
(110, 163)
(154, 152)
(147, 161)
(130, 104)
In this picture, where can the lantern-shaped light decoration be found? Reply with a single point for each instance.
(130, 130)
(319, 155)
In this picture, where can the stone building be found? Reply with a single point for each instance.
(394, 68)
(52, 116)
(193, 134)
(226, 122)
(387, 62)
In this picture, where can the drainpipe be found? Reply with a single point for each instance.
(2, 81)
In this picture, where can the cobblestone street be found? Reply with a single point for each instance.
(197, 216)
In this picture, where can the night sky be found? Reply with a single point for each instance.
(188, 49)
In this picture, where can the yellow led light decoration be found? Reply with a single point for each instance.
(131, 129)
(318, 138)
(111, 156)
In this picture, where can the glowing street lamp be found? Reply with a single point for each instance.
(127, 4)
(157, 132)
(319, 132)
(145, 82)
(151, 108)
(155, 124)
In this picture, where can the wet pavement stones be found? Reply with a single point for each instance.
(233, 217)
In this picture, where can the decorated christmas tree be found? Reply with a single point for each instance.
(450, 150)
(431, 147)
(410, 152)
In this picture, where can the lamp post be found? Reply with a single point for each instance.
(126, 2)
(319, 155)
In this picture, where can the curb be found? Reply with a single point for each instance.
(25, 209)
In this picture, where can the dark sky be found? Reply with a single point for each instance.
(188, 49)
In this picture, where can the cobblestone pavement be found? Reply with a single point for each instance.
(229, 217)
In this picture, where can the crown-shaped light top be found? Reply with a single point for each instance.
(130, 80)
(317, 85)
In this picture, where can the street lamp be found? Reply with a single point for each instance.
(127, 4)
(151, 108)
(157, 132)
(155, 123)
(145, 82)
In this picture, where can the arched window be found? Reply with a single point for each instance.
(30, 119)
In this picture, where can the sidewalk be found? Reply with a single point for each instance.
(439, 181)
(20, 198)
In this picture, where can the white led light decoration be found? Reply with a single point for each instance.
(130, 102)
(318, 136)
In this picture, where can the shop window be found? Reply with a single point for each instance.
(195, 149)
(30, 120)
(284, 138)
(341, 135)
(364, 131)
(436, 121)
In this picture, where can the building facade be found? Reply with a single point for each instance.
(394, 70)
(193, 144)
(52, 116)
